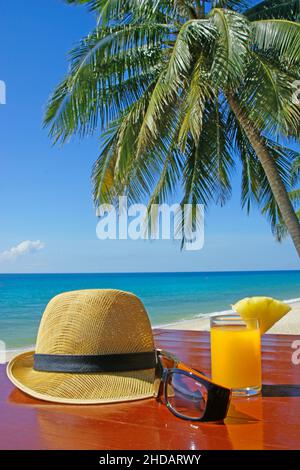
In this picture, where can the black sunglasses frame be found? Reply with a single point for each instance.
(218, 397)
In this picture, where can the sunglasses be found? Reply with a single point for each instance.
(188, 393)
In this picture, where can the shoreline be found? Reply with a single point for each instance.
(289, 324)
(205, 316)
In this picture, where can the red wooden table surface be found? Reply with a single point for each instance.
(270, 421)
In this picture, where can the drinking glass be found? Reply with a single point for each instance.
(236, 354)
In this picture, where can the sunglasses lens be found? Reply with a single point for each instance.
(186, 396)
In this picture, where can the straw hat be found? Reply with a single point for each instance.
(93, 346)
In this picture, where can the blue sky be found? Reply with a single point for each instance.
(45, 191)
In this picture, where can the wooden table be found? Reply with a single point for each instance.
(271, 421)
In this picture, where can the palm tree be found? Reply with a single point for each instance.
(180, 92)
(278, 226)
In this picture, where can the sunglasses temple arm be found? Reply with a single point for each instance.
(186, 368)
(159, 372)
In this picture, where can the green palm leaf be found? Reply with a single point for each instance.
(197, 95)
(279, 228)
(267, 94)
(288, 9)
(255, 186)
(231, 47)
(172, 80)
(280, 36)
(100, 79)
(237, 5)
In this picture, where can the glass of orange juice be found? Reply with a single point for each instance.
(236, 354)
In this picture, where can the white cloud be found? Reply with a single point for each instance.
(23, 248)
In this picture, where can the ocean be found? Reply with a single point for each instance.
(168, 297)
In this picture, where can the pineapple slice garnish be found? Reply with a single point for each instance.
(267, 310)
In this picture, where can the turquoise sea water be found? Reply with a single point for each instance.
(168, 297)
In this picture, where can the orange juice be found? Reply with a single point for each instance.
(236, 356)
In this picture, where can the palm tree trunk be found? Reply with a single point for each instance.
(279, 191)
(200, 9)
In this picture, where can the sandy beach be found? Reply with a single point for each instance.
(288, 325)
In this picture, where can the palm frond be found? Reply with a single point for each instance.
(119, 149)
(287, 9)
(221, 150)
(209, 177)
(295, 175)
(246, 153)
(139, 11)
(280, 36)
(231, 47)
(130, 11)
(266, 199)
(255, 185)
(104, 189)
(279, 228)
(198, 93)
(266, 95)
(153, 172)
(77, 2)
(236, 5)
(172, 81)
(99, 65)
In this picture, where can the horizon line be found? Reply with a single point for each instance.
(152, 272)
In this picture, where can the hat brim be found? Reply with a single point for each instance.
(85, 389)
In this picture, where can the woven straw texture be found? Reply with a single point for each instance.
(88, 322)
